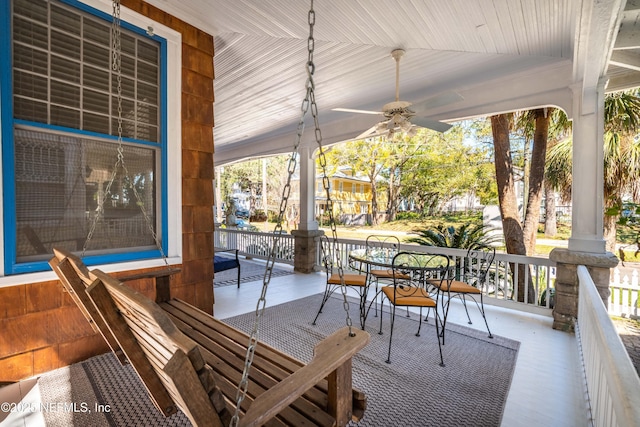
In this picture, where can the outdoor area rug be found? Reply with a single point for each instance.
(411, 391)
(100, 392)
(250, 271)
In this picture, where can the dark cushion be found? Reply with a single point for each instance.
(221, 263)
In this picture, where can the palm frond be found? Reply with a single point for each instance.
(463, 237)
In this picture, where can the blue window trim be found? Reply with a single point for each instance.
(8, 123)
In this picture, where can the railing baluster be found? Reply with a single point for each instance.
(501, 286)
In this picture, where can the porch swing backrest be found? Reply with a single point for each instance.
(190, 361)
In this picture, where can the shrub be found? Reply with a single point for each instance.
(407, 215)
(464, 237)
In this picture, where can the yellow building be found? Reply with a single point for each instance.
(350, 192)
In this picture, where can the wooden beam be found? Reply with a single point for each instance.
(625, 59)
(630, 80)
(628, 38)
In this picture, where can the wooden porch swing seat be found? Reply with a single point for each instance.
(189, 360)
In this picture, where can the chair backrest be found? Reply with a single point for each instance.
(420, 267)
(376, 241)
(477, 264)
(328, 254)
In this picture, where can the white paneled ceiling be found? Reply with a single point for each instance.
(499, 55)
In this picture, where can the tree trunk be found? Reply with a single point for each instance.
(550, 217)
(374, 203)
(511, 227)
(610, 232)
(536, 179)
(392, 202)
(506, 189)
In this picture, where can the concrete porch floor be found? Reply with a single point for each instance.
(547, 387)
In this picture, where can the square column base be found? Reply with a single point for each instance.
(565, 310)
(305, 250)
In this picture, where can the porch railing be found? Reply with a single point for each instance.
(505, 271)
(612, 382)
(254, 244)
(499, 290)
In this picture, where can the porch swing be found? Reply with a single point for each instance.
(189, 360)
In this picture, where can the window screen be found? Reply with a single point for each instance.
(61, 184)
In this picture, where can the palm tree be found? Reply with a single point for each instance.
(621, 158)
(519, 237)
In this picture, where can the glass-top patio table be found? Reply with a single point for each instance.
(384, 257)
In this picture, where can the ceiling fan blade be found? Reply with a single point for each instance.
(431, 124)
(350, 110)
(369, 133)
(441, 100)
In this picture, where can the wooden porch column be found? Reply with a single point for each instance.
(305, 253)
(586, 244)
(587, 192)
(307, 189)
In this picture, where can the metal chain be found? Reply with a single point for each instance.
(116, 66)
(308, 101)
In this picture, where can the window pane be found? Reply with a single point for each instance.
(26, 58)
(65, 44)
(66, 117)
(65, 94)
(95, 123)
(96, 55)
(148, 52)
(95, 101)
(128, 44)
(35, 10)
(128, 66)
(28, 109)
(61, 181)
(147, 93)
(97, 31)
(65, 20)
(30, 33)
(95, 78)
(76, 66)
(30, 85)
(65, 69)
(148, 73)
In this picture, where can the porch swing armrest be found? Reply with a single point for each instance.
(332, 360)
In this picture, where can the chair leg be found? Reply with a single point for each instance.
(445, 314)
(484, 316)
(464, 303)
(327, 293)
(375, 299)
(419, 322)
(438, 338)
(393, 317)
(381, 311)
(363, 306)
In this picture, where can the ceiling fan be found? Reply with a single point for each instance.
(402, 116)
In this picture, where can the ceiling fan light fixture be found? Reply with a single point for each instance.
(405, 126)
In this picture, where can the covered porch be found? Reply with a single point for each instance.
(547, 386)
(497, 57)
